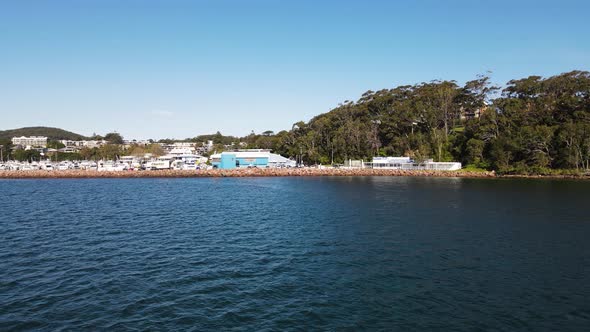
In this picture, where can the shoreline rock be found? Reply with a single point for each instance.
(251, 172)
(262, 172)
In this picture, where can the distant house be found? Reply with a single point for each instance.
(81, 144)
(179, 145)
(69, 149)
(67, 142)
(205, 147)
(93, 144)
(140, 142)
(473, 113)
(30, 142)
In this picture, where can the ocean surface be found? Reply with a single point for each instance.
(281, 254)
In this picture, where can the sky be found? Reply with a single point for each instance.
(177, 69)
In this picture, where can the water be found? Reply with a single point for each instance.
(258, 254)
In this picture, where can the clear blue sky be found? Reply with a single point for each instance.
(171, 68)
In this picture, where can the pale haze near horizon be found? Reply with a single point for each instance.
(178, 69)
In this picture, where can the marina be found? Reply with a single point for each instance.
(180, 157)
(238, 163)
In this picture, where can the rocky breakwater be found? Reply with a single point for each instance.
(249, 172)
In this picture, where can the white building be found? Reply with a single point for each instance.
(185, 145)
(405, 163)
(181, 151)
(93, 144)
(69, 149)
(32, 141)
(276, 160)
(179, 145)
(80, 144)
(141, 142)
(70, 143)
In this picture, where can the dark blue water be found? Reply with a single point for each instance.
(277, 254)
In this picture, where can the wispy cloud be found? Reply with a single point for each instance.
(162, 113)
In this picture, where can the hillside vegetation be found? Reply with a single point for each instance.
(49, 132)
(534, 125)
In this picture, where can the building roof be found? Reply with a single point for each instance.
(243, 154)
(272, 157)
(277, 158)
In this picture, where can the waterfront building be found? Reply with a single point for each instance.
(405, 163)
(278, 161)
(30, 142)
(249, 158)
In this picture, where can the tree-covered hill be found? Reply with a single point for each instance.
(533, 125)
(49, 132)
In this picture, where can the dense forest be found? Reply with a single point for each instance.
(533, 125)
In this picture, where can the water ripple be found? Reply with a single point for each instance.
(270, 254)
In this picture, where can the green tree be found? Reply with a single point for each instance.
(474, 151)
(5, 148)
(26, 155)
(110, 152)
(114, 138)
(55, 145)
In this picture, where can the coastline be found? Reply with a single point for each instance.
(262, 172)
(250, 172)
